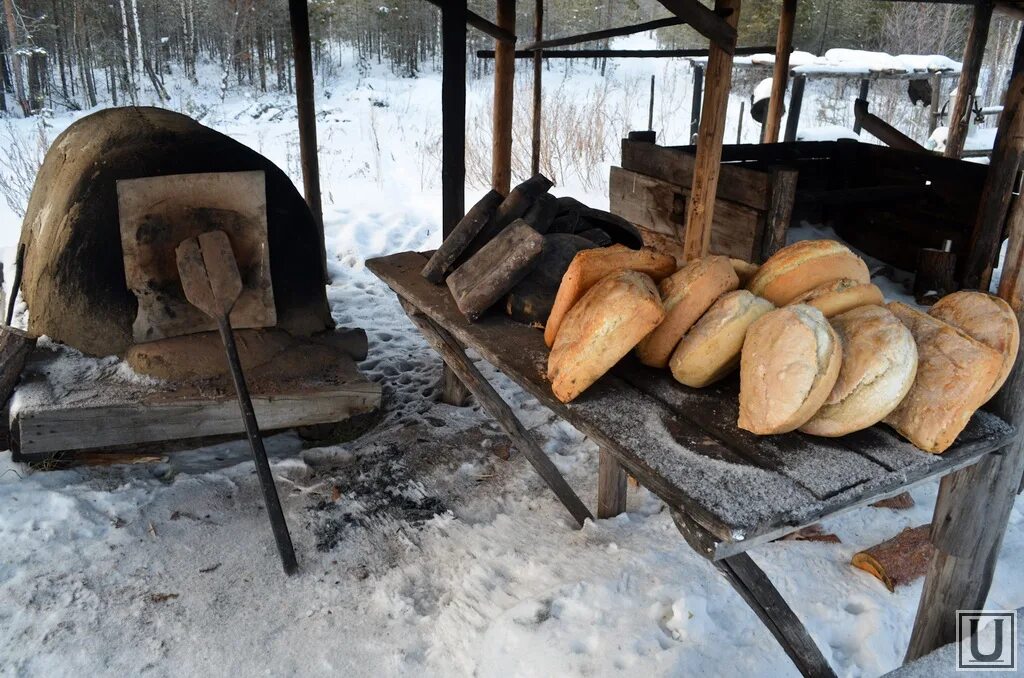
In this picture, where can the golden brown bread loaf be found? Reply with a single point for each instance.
(600, 329)
(954, 374)
(685, 295)
(711, 349)
(802, 266)
(984, 318)
(840, 296)
(590, 266)
(877, 371)
(789, 364)
(744, 270)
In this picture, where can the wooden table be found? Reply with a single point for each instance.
(728, 490)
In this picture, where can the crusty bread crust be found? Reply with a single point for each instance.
(789, 364)
(590, 266)
(878, 368)
(685, 295)
(744, 270)
(987, 319)
(711, 349)
(954, 374)
(598, 331)
(839, 296)
(802, 266)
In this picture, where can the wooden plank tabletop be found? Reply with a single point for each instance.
(683, 443)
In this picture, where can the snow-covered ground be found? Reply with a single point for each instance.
(421, 552)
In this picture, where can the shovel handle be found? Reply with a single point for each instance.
(259, 453)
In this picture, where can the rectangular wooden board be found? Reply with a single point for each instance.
(660, 206)
(157, 213)
(100, 409)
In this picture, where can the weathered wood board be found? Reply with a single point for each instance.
(661, 207)
(157, 213)
(682, 443)
(99, 408)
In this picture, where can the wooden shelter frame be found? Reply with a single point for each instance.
(974, 503)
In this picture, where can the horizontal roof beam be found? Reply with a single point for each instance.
(708, 23)
(483, 25)
(624, 53)
(606, 33)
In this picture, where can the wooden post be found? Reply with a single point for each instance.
(611, 486)
(1007, 152)
(974, 504)
(453, 147)
(933, 114)
(298, 13)
(796, 101)
(861, 96)
(504, 82)
(780, 75)
(696, 99)
(538, 56)
(974, 52)
(696, 235)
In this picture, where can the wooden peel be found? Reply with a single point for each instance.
(210, 278)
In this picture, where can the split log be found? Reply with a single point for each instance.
(899, 560)
(542, 213)
(493, 271)
(813, 532)
(935, 276)
(901, 502)
(530, 301)
(461, 236)
(15, 347)
(511, 208)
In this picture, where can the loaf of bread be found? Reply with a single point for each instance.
(954, 375)
(590, 266)
(744, 270)
(789, 364)
(711, 349)
(600, 329)
(878, 368)
(839, 296)
(685, 295)
(802, 266)
(987, 319)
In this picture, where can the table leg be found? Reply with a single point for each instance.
(611, 486)
(971, 513)
(764, 599)
(455, 357)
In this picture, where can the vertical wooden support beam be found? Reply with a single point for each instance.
(298, 14)
(780, 75)
(453, 146)
(504, 82)
(700, 208)
(974, 53)
(974, 504)
(611, 486)
(997, 192)
(696, 100)
(865, 84)
(538, 58)
(936, 106)
(780, 211)
(796, 102)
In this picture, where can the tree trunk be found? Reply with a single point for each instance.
(12, 42)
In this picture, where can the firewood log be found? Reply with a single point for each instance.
(531, 299)
(542, 213)
(899, 560)
(900, 502)
(513, 207)
(459, 239)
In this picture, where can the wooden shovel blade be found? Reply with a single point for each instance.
(209, 273)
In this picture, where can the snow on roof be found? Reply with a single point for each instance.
(826, 133)
(852, 62)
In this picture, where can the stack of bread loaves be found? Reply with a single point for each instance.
(817, 347)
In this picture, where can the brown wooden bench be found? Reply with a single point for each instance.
(728, 490)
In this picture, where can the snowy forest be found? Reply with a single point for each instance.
(77, 54)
